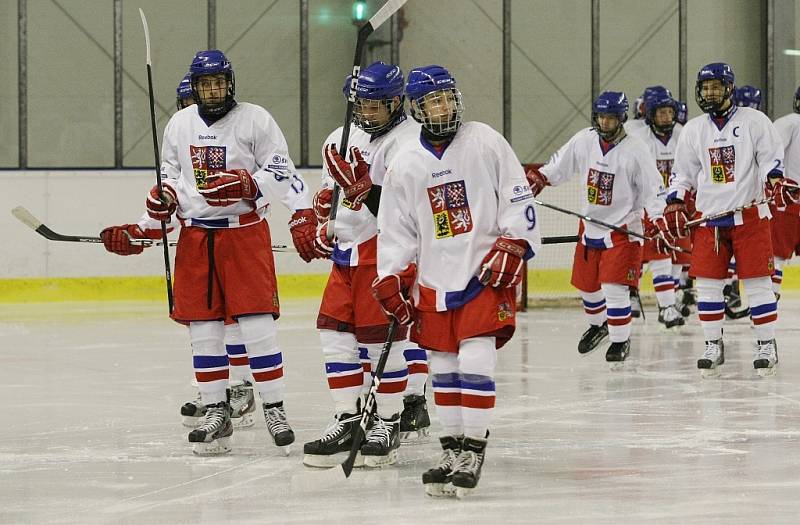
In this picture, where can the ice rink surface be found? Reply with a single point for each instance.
(91, 431)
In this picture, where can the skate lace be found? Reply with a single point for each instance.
(240, 396)
(334, 429)
(214, 419)
(671, 313)
(765, 350)
(467, 461)
(447, 460)
(276, 420)
(379, 431)
(712, 350)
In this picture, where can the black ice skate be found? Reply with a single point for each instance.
(437, 480)
(279, 429)
(212, 437)
(192, 412)
(670, 317)
(688, 299)
(467, 469)
(617, 353)
(243, 405)
(592, 337)
(382, 442)
(334, 445)
(636, 304)
(766, 358)
(733, 302)
(712, 358)
(414, 421)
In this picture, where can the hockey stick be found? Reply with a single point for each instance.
(722, 214)
(165, 242)
(560, 239)
(607, 225)
(27, 218)
(381, 16)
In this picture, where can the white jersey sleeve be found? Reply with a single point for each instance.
(687, 165)
(563, 164)
(788, 127)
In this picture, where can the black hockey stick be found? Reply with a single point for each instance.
(381, 16)
(607, 225)
(165, 242)
(723, 214)
(27, 218)
(560, 239)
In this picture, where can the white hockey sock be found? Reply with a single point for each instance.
(343, 369)
(763, 307)
(446, 384)
(389, 397)
(710, 306)
(663, 282)
(477, 358)
(260, 336)
(366, 369)
(210, 360)
(618, 299)
(237, 354)
(777, 277)
(417, 362)
(594, 305)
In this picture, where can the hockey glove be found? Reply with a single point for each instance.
(117, 239)
(226, 188)
(502, 266)
(322, 246)
(303, 227)
(161, 209)
(536, 180)
(322, 204)
(785, 192)
(393, 294)
(354, 180)
(675, 219)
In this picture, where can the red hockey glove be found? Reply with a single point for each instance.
(536, 180)
(502, 266)
(158, 209)
(303, 227)
(117, 239)
(658, 230)
(355, 181)
(226, 188)
(322, 204)
(785, 192)
(675, 219)
(393, 294)
(322, 246)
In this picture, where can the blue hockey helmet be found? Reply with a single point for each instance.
(652, 105)
(213, 62)
(379, 97)
(610, 103)
(682, 112)
(380, 81)
(435, 101)
(715, 71)
(184, 96)
(747, 96)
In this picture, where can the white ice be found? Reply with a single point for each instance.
(90, 430)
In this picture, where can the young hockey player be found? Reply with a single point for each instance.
(727, 156)
(455, 224)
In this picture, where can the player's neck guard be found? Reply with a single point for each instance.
(432, 137)
(212, 114)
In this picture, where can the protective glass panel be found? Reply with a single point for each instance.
(9, 146)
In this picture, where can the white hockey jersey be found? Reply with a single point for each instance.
(356, 229)
(788, 128)
(727, 165)
(635, 125)
(620, 184)
(445, 209)
(246, 138)
(663, 152)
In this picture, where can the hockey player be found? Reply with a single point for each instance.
(639, 115)
(455, 224)
(747, 97)
(117, 239)
(727, 156)
(785, 223)
(661, 136)
(349, 317)
(682, 113)
(621, 181)
(220, 160)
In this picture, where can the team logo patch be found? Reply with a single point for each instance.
(631, 274)
(771, 265)
(722, 162)
(206, 160)
(664, 167)
(451, 215)
(600, 187)
(504, 312)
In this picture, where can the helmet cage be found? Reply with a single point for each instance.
(608, 135)
(364, 117)
(443, 126)
(652, 109)
(219, 108)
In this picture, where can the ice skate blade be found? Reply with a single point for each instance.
(709, 373)
(215, 448)
(767, 372)
(191, 421)
(463, 492)
(286, 449)
(616, 366)
(334, 460)
(440, 490)
(415, 437)
(246, 421)
(381, 461)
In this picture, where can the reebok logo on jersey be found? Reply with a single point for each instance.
(599, 187)
(206, 137)
(441, 173)
(451, 215)
(722, 162)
